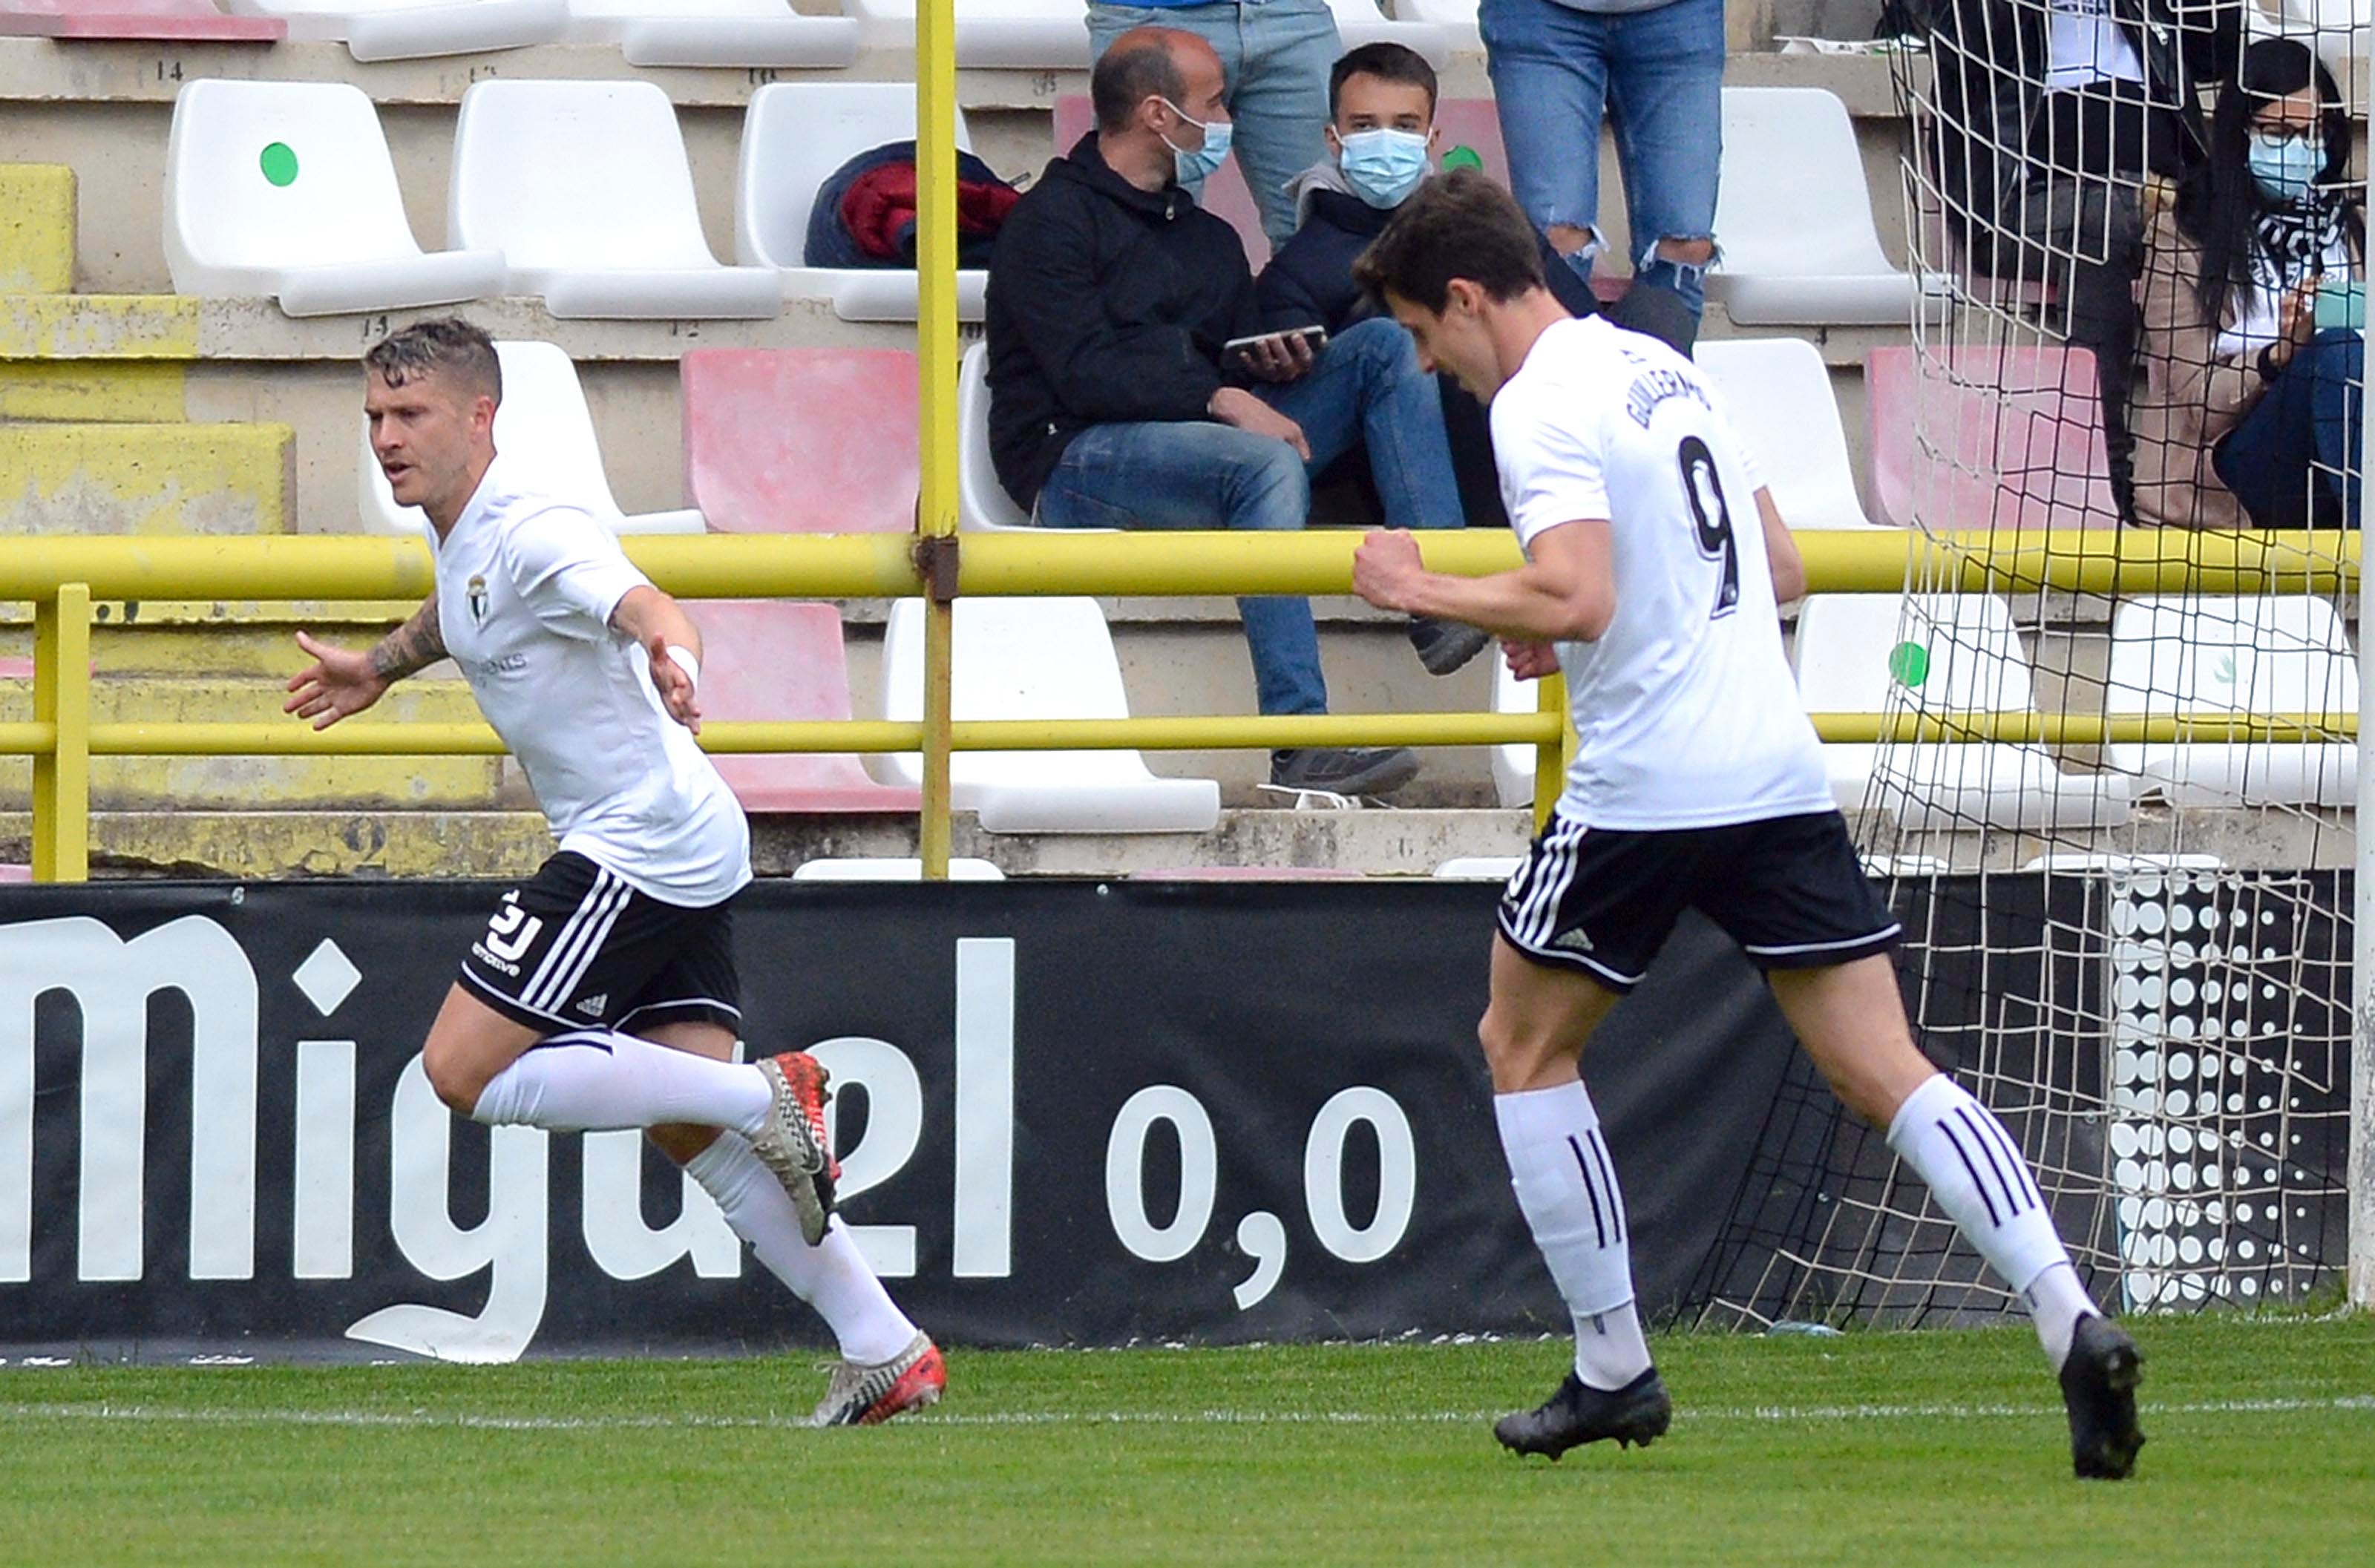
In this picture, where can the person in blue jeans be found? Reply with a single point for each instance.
(1115, 402)
(1274, 56)
(1654, 69)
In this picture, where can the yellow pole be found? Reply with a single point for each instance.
(936, 353)
(62, 699)
(1550, 757)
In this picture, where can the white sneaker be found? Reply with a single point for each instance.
(792, 1144)
(861, 1395)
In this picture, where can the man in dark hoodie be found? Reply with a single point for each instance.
(1381, 140)
(1113, 403)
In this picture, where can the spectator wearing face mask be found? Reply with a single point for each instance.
(2250, 412)
(1382, 143)
(1134, 383)
(1274, 56)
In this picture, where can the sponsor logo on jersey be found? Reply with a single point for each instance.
(478, 597)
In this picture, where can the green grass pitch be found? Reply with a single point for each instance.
(1931, 1448)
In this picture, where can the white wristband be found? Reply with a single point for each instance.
(682, 658)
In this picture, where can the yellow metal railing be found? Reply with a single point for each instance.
(62, 577)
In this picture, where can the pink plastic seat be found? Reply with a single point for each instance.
(801, 441)
(1463, 121)
(769, 662)
(181, 21)
(1988, 437)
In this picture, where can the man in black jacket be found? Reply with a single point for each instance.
(1113, 405)
(1381, 136)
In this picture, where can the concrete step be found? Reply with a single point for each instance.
(179, 784)
(147, 478)
(37, 227)
(178, 637)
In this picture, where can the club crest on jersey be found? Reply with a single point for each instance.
(478, 595)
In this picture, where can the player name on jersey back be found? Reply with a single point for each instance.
(1685, 709)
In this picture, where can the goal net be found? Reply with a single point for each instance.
(2135, 949)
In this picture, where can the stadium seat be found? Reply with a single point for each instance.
(160, 21)
(409, 29)
(983, 505)
(801, 441)
(868, 869)
(1456, 17)
(1037, 659)
(1793, 218)
(1778, 393)
(776, 663)
(794, 136)
(1513, 763)
(2215, 656)
(1958, 654)
(1478, 869)
(585, 189)
(546, 434)
(1361, 21)
(1009, 35)
(742, 34)
(1981, 438)
(286, 188)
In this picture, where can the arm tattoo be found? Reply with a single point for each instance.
(410, 648)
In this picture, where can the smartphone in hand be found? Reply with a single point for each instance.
(1241, 353)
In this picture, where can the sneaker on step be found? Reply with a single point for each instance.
(793, 1143)
(1344, 770)
(1447, 645)
(862, 1395)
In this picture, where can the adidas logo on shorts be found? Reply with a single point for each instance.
(1574, 940)
(592, 1006)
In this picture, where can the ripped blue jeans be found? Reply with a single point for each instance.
(1658, 78)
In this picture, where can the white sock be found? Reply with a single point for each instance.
(832, 1277)
(598, 1080)
(1976, 1173)
(1566, 1186)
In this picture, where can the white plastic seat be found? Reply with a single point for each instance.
(287, 190)
(1025, 35)
(1957, 654)
(1456, 17)
(409, 30)
(868, 868)
(546, 436)
(2213, 656)
(733, 33)
(1793, 216)
(1361, 21)
(1513, 762)
(1778, 393)
(1036, 659)
(794, 136)
(585, 188)
(983, 505)
(1478, 869)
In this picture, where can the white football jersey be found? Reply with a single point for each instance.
(1685, 709)
(525, 585)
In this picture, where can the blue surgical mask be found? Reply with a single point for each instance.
(1198, 165)
(1384, 166)
(2285, 170)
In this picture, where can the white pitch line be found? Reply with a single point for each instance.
(470, 1422)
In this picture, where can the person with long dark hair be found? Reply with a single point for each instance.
(2250, 410)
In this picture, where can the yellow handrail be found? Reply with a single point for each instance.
(63, 576)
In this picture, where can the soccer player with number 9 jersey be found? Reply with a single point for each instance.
(1655, 562)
